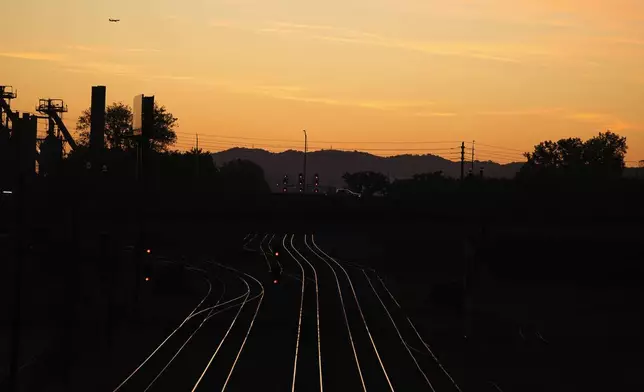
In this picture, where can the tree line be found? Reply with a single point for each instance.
(164, 167)
(568, 160)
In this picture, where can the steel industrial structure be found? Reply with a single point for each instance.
(23, 153)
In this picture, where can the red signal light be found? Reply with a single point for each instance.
(275, 281)
(277, 253)
(147, 278)
(147, 251)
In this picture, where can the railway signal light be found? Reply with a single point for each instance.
(276, 274)
(316, 181)
(301, 182)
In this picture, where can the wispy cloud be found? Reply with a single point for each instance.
(435, 114)
(301, 94)
(171, 77)
(83, 48)
(604, 120)
(307, 95)
(590, 117)
(124, 70)
(497, 53)
(352, 36)
(403, 104)
(143, 50)
(333, 29)
(521, 112)
(101, 67)
(597, 11)
(279, 88)
(627, 41)
(38, 56)
(106, 49)
(224, 23)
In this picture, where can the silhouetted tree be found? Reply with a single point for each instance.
(367, 182)
(600, 156)
(421, 185)
(183, 170)
(243, 176)
(605, 154)
(163, 134)
(118, 127)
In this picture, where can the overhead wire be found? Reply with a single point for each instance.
(215, 142)
(499, 147)
(321, 141)
(499, 152)
(316, 145)
(218, 144)
(515, 158)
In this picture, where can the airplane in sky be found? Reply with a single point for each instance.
(115, 20)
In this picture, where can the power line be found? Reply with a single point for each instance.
(501, 152)
(319, 141)
(394, 150)
(496, 151)
(503, 155)
(446, 154)
(492, 158)
(502, 148)
(239, 137)
(497, 159)
(315, 146)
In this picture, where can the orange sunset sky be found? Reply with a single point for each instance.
(357, 74)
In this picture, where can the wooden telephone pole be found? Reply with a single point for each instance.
(462, 160)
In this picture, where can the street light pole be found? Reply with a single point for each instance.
(305, 149)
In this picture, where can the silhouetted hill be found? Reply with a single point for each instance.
(332, 164)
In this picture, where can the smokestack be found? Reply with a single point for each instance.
(147, 121)
(24, 137)
(97, 125)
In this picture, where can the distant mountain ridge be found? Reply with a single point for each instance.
(332, 164)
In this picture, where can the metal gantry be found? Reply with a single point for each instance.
(54, 108)
(7, 93)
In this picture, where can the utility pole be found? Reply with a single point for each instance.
(462, 160)
(305, 149)
(472, 156)
(197, 157)
(18, 255)
(143, 123)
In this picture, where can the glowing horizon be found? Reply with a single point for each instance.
(494, 71)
